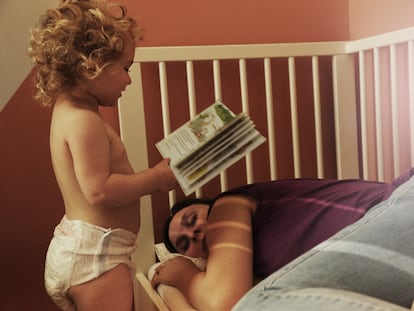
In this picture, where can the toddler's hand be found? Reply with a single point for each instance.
(167, 180)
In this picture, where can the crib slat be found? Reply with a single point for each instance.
(191, 99)
(243, 86)
(394, 112)
(217, 79)
(294, 117)
(317, 114)
(191, 89)
(245, 107)
(165, 111)
(164, 98)
(217, 95)
(363, 118)
(270, 118)
(346, 132)
(378, 114)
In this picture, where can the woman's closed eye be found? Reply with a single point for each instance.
(189, 219)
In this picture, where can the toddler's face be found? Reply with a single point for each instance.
(108, 86)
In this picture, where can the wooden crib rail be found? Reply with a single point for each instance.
(238, 51)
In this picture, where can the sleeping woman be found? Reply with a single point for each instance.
(253, 230)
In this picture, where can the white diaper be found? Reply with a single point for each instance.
(80, 252)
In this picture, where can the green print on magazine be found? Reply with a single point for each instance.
(225, 115)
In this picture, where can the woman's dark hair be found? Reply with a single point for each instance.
(174, 210)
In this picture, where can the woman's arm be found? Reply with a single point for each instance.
(174, 298)
(229, 270)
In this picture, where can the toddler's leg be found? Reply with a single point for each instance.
(111, 291)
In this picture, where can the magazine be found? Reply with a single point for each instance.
(208, 144)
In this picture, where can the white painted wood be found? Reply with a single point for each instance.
(394, 112)
(363, 117)
(378, 114)
(162, 67)
(217, 96)
(317, 115)
(270, 119)
(238, 51)
(346, 131)
(294, 117)
(191, 89)
(245, 107)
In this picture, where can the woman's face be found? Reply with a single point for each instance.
(187, 230)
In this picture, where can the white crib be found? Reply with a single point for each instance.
(328, 109)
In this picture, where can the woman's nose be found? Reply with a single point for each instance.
(198, 234)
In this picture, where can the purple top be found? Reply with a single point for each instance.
(294, 215)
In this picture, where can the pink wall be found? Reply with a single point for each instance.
(369, 17)
(30, 203)
(234, 21)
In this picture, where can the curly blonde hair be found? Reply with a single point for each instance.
(75, 41)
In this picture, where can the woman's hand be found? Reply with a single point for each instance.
(176, 272)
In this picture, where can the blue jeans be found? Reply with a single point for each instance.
(369, 263)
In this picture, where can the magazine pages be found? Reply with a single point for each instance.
(208, 144)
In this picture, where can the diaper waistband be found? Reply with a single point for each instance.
(77, 227)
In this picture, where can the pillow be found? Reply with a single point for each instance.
(164, 254)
